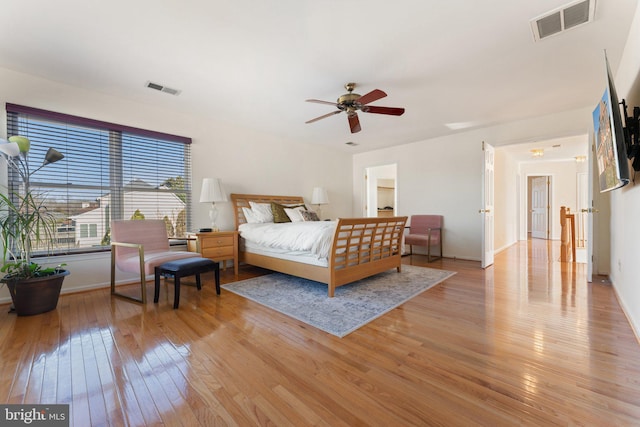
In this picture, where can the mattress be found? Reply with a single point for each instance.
(304, 257)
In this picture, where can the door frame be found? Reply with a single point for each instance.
(371, 176)
(524, 206)
(549, 203)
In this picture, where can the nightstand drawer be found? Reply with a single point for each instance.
(218, 252)
(216, 245)
(215, 242)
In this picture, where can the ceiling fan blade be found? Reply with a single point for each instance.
(374, 95)
(354, 123)
(324, 116)
(317, 101)
(392, 111)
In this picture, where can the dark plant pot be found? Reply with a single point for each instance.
(36, 295)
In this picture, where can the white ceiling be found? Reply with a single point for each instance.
(255, 62)
(555, 149)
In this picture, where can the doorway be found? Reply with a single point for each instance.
(539, 201)
(381, 191)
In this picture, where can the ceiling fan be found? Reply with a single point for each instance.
(351, 103)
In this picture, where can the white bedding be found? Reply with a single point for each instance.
(310, 236)
(295, 256)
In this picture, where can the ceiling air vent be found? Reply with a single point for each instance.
(564, 18)
(161, 88)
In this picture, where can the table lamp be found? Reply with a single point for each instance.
(319, 197)
(212, 192)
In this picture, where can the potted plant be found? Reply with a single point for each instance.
(25, 225)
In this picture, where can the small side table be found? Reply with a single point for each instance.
(216, 245)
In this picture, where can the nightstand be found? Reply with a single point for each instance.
(216, 245)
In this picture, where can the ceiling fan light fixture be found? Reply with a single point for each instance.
(351, 103)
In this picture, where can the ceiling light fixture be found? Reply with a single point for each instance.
(461, 125)
(581, 159)
(537, 152)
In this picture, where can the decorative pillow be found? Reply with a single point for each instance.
(279, 214)
(295, 214)
(309, 216)
(262, 212)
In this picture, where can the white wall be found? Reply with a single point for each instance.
(506, 196)
(433, 178)
(245, 161)
(625, 202)
(563, 187)
(444, 176)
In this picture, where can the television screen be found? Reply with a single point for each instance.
(613, 167)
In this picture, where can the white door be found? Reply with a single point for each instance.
(591, 225)
(487, 205)
(584, 203)
(540, 207)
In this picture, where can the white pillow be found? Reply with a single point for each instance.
(262, 211)
(249, 216)
(295, 214)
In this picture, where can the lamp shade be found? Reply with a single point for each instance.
(11, 149)
(212, 191)
(319, 196)
(52, 156)
(23, 142)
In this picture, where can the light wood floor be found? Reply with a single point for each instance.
(526, 342)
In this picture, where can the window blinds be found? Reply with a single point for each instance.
(109, 172)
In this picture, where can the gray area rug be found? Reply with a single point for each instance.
(353, 306)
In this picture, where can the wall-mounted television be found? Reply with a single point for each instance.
(613, 166)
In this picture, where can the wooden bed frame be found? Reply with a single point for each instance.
(353, 256)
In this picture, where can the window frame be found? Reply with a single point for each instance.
(16, 112)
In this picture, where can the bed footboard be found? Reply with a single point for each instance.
(363, 247)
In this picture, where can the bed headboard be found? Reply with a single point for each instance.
(242, 201)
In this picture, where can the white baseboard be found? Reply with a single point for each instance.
(634, 326)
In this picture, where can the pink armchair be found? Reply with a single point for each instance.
(138, 246)
(425, 230)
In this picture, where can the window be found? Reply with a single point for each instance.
(84, 231)
(88, 231)
(93, 230)
(109, 172)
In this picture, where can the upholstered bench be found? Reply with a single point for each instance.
(181, 268)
